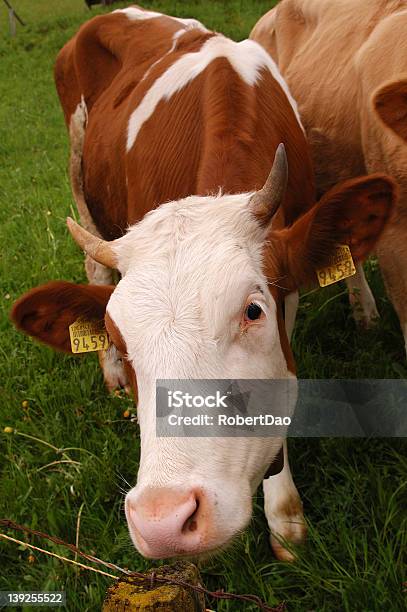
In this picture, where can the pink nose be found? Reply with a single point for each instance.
(165, 522)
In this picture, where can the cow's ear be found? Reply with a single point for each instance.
(390, 103)
(47, 311)
(353, 213)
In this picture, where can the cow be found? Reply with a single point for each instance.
(346, 65)
(181, 143)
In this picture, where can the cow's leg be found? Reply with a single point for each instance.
(97, 273)
(114, 373)
(282, 503)
(283, 510)
(110, 361)
(291, 306)
(361, 298)
(392, 255)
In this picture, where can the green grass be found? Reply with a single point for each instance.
(352, 490)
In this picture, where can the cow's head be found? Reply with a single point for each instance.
(201, 296)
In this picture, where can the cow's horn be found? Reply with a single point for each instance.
(265, 202)
(100, 250)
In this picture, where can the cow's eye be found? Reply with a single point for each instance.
(253, 312)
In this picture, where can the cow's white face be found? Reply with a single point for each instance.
(190, 271)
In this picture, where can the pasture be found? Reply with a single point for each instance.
(354, 491)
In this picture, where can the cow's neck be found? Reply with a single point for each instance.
(229, 170)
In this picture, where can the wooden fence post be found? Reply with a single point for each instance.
(12, 18)
(133, 594)
(12, 22)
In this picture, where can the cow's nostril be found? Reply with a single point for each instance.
(191, 524)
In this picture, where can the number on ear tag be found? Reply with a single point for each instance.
(341, 266)
(88, 336)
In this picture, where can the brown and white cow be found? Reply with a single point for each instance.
(346, 65)
(182, 129)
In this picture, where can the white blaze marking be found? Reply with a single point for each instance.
(136, 14)
(188, 24)
(247, 59)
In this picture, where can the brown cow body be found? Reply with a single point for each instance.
(339, 59)
(215, 133)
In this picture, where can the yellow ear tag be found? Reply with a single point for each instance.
(341, 266)
(88, 336)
